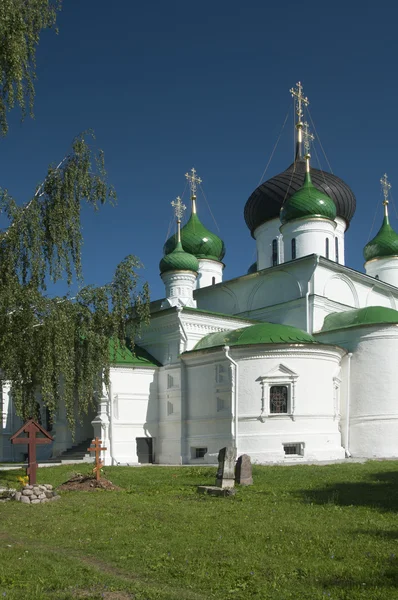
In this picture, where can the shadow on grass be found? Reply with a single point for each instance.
(380, 491)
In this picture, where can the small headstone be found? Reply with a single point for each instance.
(243, 470)
(226, 467)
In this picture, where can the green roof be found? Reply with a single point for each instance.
(197, 240)
(371, 315)
(384, 244)
(179, 260)
(132, 356)
(308, 201)
(261, 333)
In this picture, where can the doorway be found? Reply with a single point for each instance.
(145, 450)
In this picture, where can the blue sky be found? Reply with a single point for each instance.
(171, 85)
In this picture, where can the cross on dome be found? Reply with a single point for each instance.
(193, 181)
(308, 137)
(300, 99)
(179, 207)
(386, 186)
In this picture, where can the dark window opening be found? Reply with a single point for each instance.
(278, 399)
(213, 281)
(274, 252)
(293, 248)
(198, 452)
(337, 249)
(327, 248)
(294, 449)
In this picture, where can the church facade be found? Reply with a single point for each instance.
(279, 362)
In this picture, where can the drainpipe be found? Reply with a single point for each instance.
(113, 462)
(234, 403)
(347, 423)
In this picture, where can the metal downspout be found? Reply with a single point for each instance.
(347, 422)
(234, 403)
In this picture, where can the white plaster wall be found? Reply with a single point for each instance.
(9, 424)
(373, 406)
(315, 421)
(133, 411)
(169, 436)
(179, 286)
(384, 269)
(310, 236)
(209, 273)
(264, 236)
(339, 235)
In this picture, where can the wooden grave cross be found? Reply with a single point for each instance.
(31, 428)
(97, 448)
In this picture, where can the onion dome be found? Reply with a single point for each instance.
(261, 333)
(178, 260)
(197, 240)
(384, 244)
(266, 201)
(308, 202)
(252, 268)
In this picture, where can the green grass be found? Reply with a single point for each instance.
(305, 532)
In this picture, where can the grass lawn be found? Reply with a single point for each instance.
(302, 532)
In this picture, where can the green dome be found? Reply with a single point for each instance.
(197, 240)
(308, 201)
(179, 260)
(371, 315)
(261, 333)
(385, 243)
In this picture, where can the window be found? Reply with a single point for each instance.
(213, 281)
(376, 277)
(336, 242)
(170, 381)
(293, 248)
(198, 452)
(296, 449)
(327, 248)
(170, 408)
(220, 374)
(278, 399)
(274, 252)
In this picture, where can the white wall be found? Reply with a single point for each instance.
(264, 236)
(314, 421)
(373, 407)
(133, 411)
(310, 236)
(209, 273)
(384, 269)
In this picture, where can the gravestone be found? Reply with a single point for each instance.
(243, 470)
(35, 434)
(226, 467)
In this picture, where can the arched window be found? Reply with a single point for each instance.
(336, 243)
(274, 253)
(376, 277)
(213, 281)
(327, 248)
(293, 248)
(278, 399)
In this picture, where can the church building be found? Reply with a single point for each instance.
(279, 362)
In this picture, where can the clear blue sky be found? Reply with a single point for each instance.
(171, 85)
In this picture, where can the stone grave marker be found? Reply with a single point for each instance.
(226, 467)
(243, 470)
(225, 480)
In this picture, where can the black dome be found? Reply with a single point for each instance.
(265, 202)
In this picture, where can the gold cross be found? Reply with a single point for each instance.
(298, 93)
(308, 137)
(193, 181)
(179, 207)
(386, 186)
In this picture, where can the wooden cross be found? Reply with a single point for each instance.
(31, 428)
(97, 448)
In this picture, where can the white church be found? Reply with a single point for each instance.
(279, 362)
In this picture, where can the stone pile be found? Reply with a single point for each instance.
(36, 494)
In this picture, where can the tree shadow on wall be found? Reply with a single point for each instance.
(380, 491)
